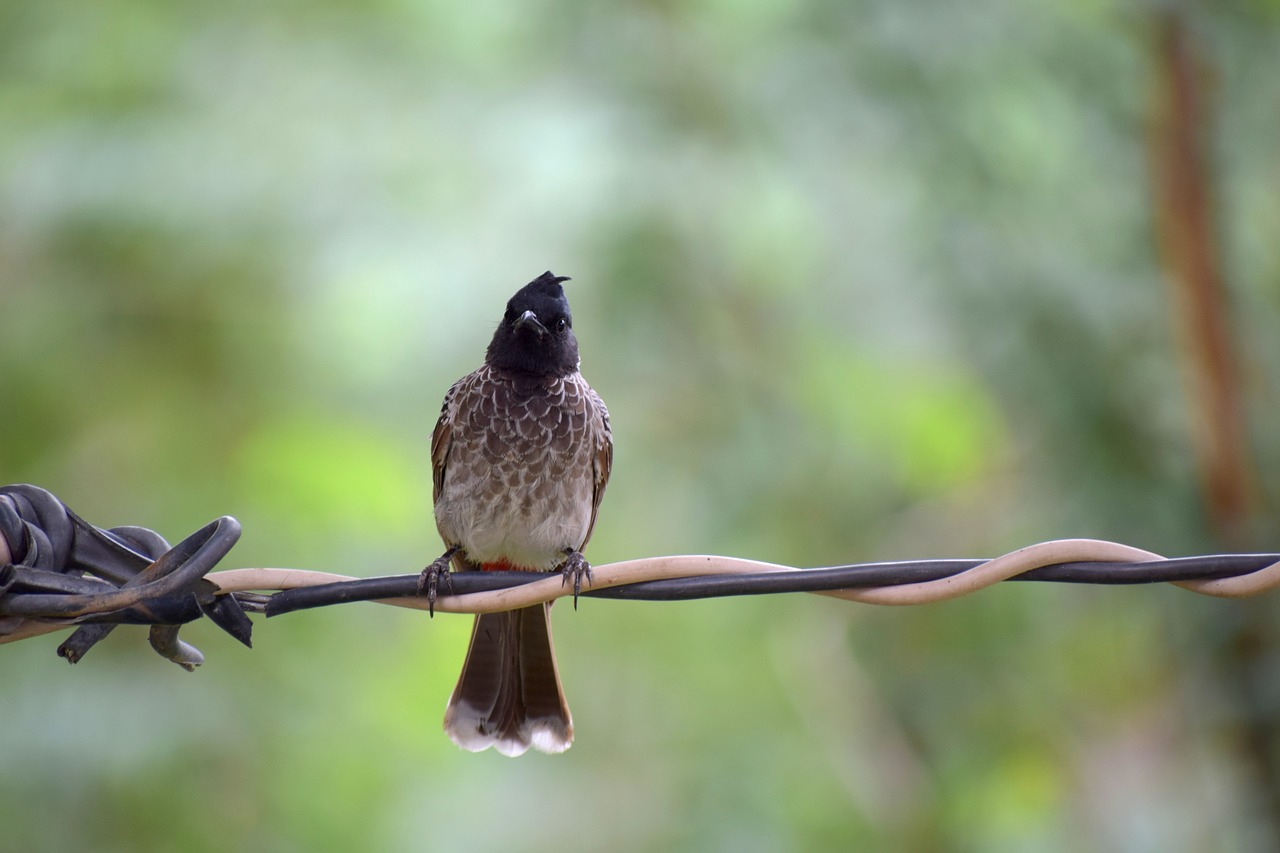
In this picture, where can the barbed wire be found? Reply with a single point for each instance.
(59, 571)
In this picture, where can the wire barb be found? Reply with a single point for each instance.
(62, 571)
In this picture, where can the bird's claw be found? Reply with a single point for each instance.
(576, 568)
(429, 581)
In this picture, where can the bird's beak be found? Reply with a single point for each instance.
(531, 320)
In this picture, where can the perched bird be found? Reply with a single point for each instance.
(520, 458)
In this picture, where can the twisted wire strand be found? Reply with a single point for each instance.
(57, 571)
(533, 589)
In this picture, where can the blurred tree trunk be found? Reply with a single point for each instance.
(1184, 226)
(1183, 195)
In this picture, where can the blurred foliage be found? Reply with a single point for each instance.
(859, 280)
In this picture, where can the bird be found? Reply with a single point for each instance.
(520, 458)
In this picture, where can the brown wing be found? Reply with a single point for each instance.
(442, 438)
(602, 463)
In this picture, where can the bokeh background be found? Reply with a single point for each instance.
(858, 280)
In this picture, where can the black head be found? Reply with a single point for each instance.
(536, 334)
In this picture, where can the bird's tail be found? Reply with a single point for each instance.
(509, 695)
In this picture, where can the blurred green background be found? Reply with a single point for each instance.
(858, 280)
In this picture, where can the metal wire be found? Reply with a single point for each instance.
(59, 571)
(803, 580)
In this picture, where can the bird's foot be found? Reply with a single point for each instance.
(429, 580)
(575, 569)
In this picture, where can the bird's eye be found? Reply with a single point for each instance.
(561, 324)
